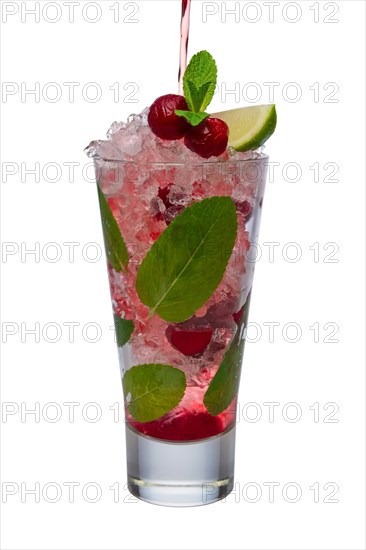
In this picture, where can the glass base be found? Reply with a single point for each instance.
(189, 473)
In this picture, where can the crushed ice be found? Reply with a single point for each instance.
(134, 141)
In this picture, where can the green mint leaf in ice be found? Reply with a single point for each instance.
(187, 262)
(199, 81)
(193, 118)
(152, 390)
(123, 328)
(225, 384)
(115, 246)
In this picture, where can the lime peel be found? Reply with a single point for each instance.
(249, 127)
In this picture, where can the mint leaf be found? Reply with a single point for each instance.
(225, 384)
(193, 118)
(152, 390)
(187, 262)
(115, 246)
(123, 328)
(199, 81)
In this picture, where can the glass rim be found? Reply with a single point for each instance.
(263, 157)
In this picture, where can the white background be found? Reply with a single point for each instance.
(325, 60)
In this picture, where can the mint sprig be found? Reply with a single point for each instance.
(199, 81)
(193, 118)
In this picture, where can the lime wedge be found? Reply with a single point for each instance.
(249, 127)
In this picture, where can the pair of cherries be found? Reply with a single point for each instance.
(209, 138)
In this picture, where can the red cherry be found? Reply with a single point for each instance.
(191, 342)
(162, 118)
(209, 138)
